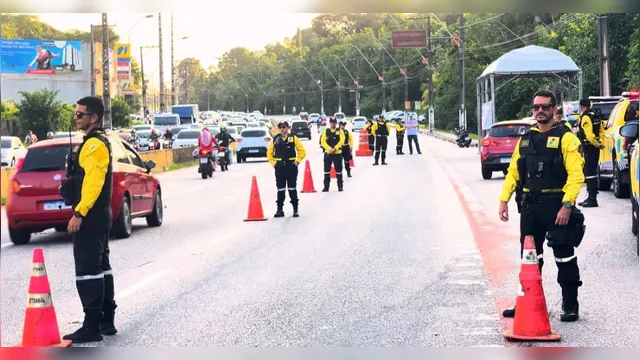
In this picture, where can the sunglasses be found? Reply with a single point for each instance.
(80, 114)
(544, 107)
(282, 126)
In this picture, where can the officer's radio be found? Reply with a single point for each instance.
(67, 187)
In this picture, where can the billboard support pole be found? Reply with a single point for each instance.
(106, 96)
(93, 62)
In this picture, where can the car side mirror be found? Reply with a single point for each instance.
(149, 164)
(629, 130)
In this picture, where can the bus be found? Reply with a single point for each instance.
(188, 113)
(165, 121)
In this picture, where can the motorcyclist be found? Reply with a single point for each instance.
(50, 135)
(133, 139)
(168, 135)
(224, 139)
(206, 143)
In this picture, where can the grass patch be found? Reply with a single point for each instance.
(4, 200)
(175, 166)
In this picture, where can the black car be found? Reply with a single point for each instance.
(301, 129)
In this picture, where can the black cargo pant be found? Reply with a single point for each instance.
(414, 139)
(286, 180)
(336, 160)
(372, 142)
(346, 156)
(381, 147)
(591, 158)
(94, 277)
(399, 143)
(536, 219)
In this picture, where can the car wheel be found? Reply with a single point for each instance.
(61, 228)
(486, 174)
(634, 217)
(619, 189)
(19, 236)
(123, 228)
(155, 219)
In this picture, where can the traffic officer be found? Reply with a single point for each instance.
(546, 170)
(558, 118)
(332, 140)
(590, 133)
(400, 130)
(381, 129)
(347, 148)
(371, 138)
(285, 152)
(88, 187)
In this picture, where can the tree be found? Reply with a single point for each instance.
(41, 112)
(120, 113)
(30, 27)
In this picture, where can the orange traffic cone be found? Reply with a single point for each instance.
(40, 322)
(255, 213)
(531, 320)
(333, 174)
(351, 163)
(307, 186)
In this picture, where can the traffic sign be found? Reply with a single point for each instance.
(406, 39)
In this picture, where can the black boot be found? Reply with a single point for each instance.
(570, 306)
(509, 313)
(384, 158)
(107, 326)
(295, 210)
(589, 202)
(89, 332)
(349, 173)
(279, 213)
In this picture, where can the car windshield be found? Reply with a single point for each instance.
(6, 143)
(253, 125)
(63, 134)
(188, 134)
(603, 110)
(253, 133)
(176, 130)
(45, 159)
(141, 127)
(165, 120)
(232, 130)
(299, 125)
(143, 134)
(502, 131)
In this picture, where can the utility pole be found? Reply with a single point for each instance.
(106, 95)
(407, 105)
(173, 67)
(144, 86)
(93, 63)
(384, 86)
(162, 95)
(321, 93)
(603, 44)
(358, 87)
(431, 110)
(463, 113)
(339, 91)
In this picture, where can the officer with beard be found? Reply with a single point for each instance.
(546, 172)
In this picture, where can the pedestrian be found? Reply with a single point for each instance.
(412, 134)
(546, 174)
(400, 130)
(371, 138)
(285, 153)
(590, 133)
(381, 130)
(347, 148)
(31, 138)
(89, 187)
(332, 140)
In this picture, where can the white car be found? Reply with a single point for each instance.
(358, 123)
(340, 116)
(252, 142)
(12, 150)
(314, 118)
(186, 138)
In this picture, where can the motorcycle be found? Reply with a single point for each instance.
(222, 158)
(463, 139)
(154, 144)
(207, 166)
(167, 144)
(135, 143)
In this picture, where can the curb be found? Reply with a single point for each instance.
(474, 143)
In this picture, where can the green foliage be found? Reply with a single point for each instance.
(120, 113)
(30, 27)
(135, 102)
(8, 110)
(41, 112)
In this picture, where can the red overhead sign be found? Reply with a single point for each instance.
(406, 39)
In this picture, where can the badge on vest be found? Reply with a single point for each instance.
(290, 139)
(524, 143)
(552, 142)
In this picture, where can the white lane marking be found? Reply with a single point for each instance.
(142, 284)
(5, 245)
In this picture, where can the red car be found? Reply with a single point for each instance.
(34, 203)
(497, 147)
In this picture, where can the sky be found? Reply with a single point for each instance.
(208, 37)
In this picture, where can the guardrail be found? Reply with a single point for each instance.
(163, 159)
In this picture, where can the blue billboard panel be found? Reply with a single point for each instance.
(40, 56)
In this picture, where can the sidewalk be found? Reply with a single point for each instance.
(440, 135)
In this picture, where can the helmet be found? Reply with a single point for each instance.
(133, 131)
(223, 128)
(50, 135)
(283, 122)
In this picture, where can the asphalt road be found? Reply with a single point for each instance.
(391, 261)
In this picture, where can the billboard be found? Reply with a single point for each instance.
(48, 57)
(406, 39)
(97, 66)
(123, 57)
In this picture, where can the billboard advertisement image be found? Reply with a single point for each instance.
(40, 56)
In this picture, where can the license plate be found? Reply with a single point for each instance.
(253, 151)
(221, 153)
(505, 160)
(203, 160)
(56, 205)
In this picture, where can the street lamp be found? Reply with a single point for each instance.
(149, 16)
(144, 84)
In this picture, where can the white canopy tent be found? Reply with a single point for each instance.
(529, 61)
